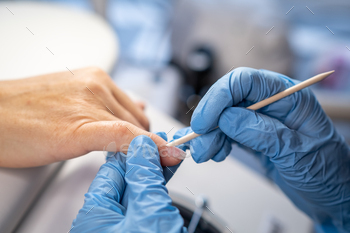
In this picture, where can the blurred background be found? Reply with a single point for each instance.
(169, 52)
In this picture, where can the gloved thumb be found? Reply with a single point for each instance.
(264, 134)
(148, 203)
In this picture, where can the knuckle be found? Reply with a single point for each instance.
(95, 86)
(120, 129)
(96, 70)
(99, 74)
(242, 70)
(94, 74)
(246, 72)
(245, 76)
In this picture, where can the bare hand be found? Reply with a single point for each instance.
(60, 116)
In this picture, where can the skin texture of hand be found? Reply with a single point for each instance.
(293, 138)
(60, 116)
(129, 194)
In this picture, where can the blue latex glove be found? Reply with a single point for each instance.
(296, 142)
(129, 194)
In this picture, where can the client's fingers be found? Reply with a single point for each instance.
(95, 136)
(122, 113)
(129, 105)
(141, 105)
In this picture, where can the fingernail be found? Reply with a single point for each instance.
(176, 152)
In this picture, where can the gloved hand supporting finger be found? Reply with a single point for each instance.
(102, 208)
(148, 201)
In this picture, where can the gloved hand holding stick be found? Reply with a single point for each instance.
(263, 103)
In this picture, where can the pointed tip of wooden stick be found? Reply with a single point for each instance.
(325, 75)
(329, 72)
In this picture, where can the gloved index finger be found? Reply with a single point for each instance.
(241, 87)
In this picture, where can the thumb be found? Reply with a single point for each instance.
(148, 202)
(96, 136)
(264, 134)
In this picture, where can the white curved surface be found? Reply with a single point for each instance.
(76, 38)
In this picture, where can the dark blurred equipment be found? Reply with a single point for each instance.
(210, 37)
(201, 204)
(196, 215)
(203, 225)
(198, 72)
(200, 62)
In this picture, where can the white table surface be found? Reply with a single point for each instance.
(38, 38)
(241, 198)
